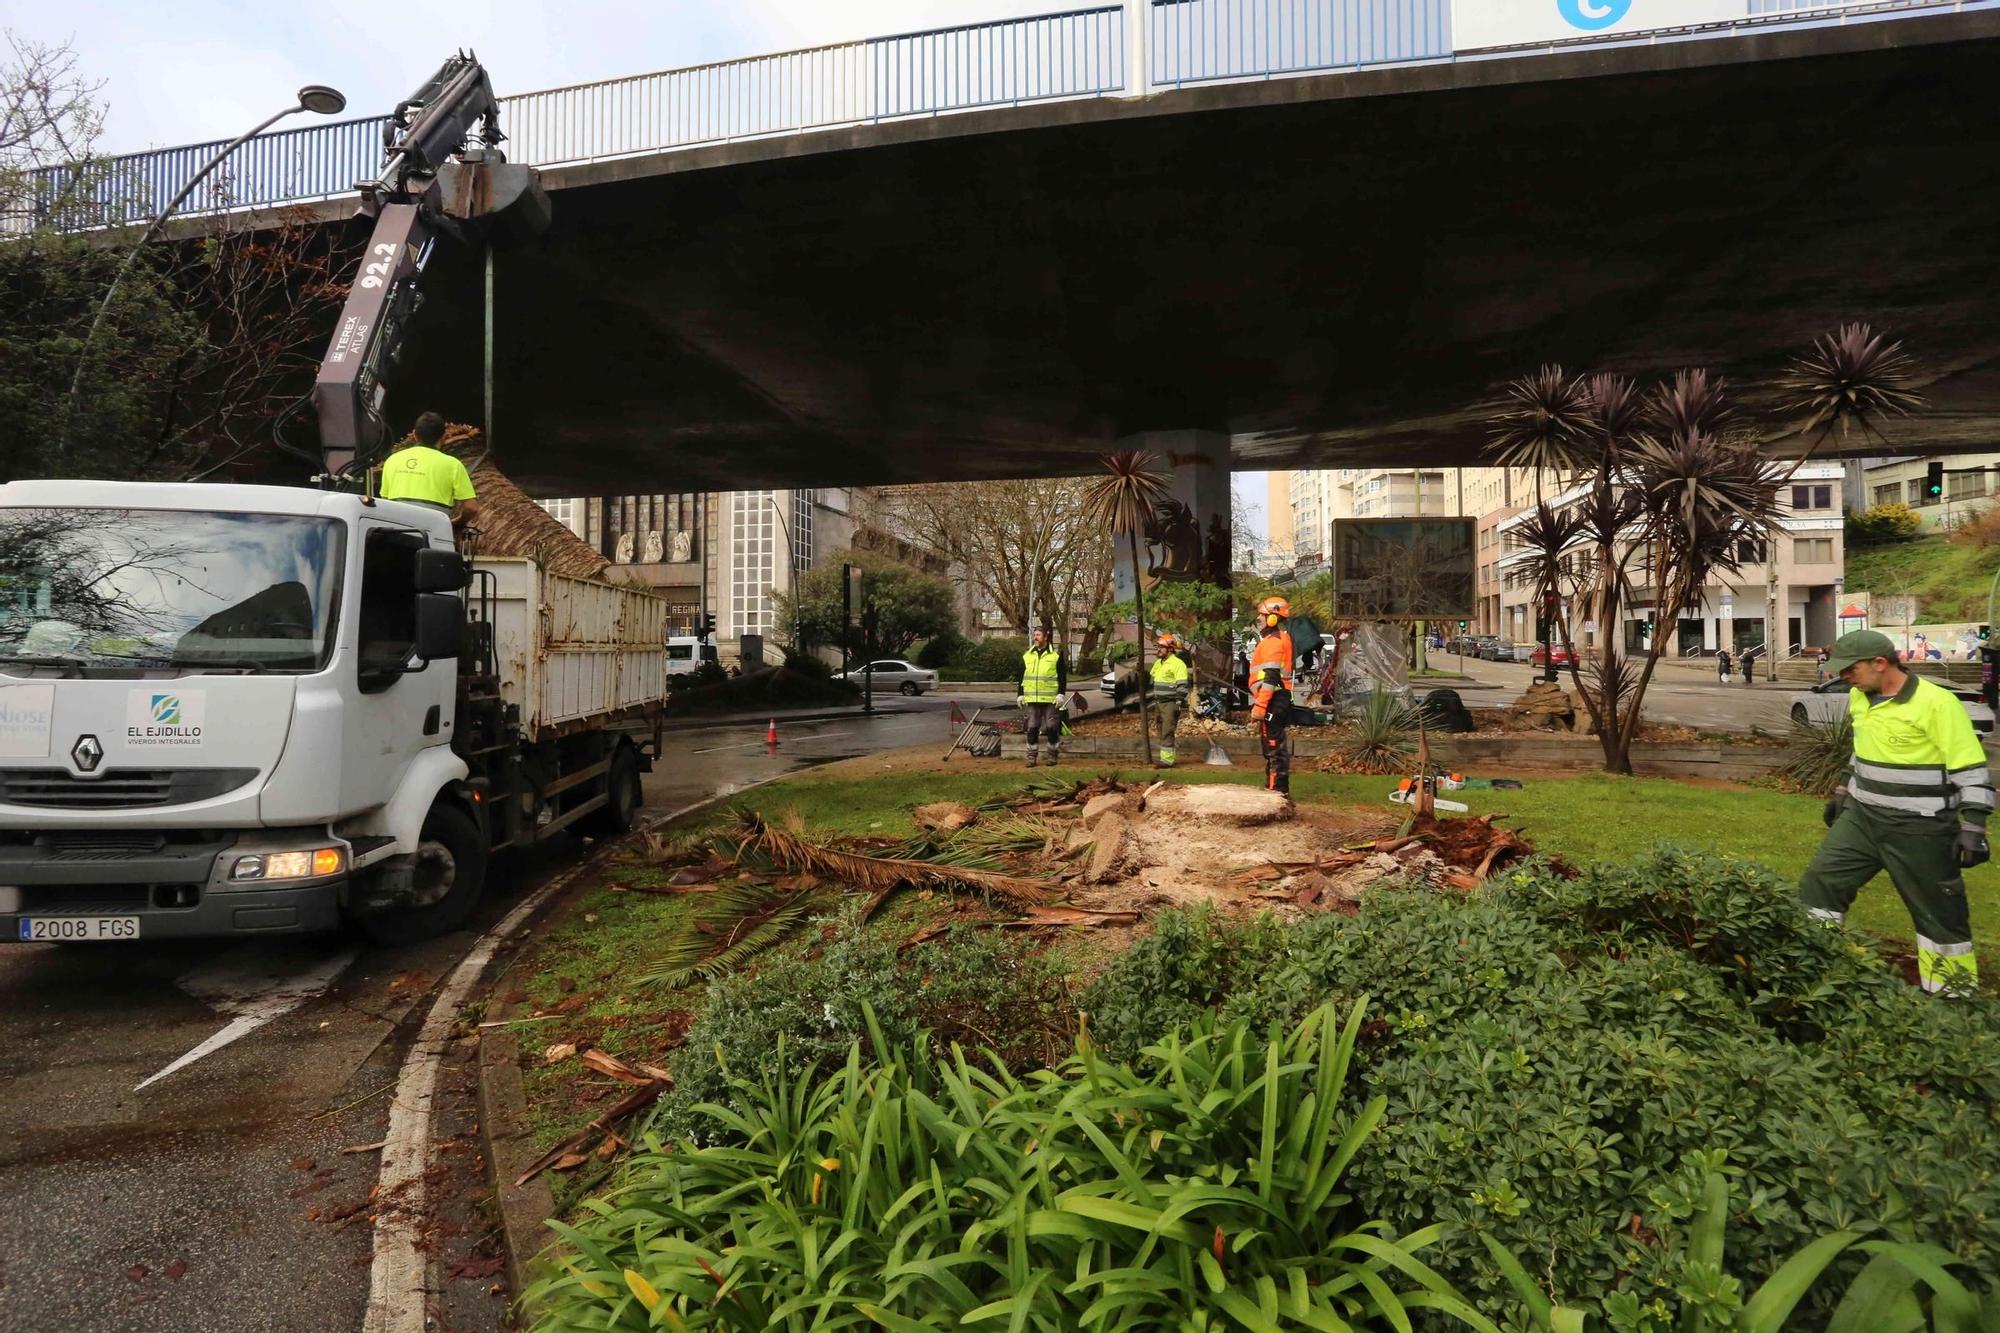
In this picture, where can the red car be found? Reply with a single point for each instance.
(1541, 655)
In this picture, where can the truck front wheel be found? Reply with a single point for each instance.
(449, 878)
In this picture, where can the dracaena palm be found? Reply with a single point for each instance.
(1614, 416)
(1852, 380)
(1542, 425)
(1692, 402)
(1123, 500)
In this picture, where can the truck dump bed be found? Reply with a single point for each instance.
(573, 654)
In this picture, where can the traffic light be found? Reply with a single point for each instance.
(708, 625)
(1647, 626)
(1985, 633)
(1934, 479)
(1463, 623)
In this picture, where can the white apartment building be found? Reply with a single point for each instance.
(1901, 481)
(1804, 583)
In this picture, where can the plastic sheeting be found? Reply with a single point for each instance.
(1374, 655)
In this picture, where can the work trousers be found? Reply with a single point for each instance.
(1167, 714)
(1044, 719)
(1277, 761)
(1921, 856)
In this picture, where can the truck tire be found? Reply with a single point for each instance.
(451, 847)
(621, 784)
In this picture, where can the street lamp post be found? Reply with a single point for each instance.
(314, 97)
(791, 566)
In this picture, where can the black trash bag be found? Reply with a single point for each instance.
(1443, 710)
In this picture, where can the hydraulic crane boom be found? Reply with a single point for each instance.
(434, 179)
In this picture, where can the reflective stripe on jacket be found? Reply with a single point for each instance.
(1170, 678)
(1915, 753)
(1041, 675)
(1272, 650)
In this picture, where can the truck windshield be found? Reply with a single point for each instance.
(92, 589)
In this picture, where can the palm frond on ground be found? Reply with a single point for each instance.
(790, 848)
(733, 925)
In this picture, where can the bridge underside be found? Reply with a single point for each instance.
(1336, 271)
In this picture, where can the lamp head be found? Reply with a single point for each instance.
(322, 100)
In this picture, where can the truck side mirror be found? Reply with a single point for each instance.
(440, 625)
(440, 570)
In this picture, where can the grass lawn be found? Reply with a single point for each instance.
(1948, 579)
(584, 966)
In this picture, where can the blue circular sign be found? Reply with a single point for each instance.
(1593, 15)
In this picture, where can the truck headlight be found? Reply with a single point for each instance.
(314, 864)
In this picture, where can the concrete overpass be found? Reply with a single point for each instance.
(1332, 269)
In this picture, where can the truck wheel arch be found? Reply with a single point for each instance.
(435, 775)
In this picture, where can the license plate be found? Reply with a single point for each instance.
(63, 928)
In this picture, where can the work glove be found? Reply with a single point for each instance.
(1972, 848)
(1020, 701)
(1834, 804)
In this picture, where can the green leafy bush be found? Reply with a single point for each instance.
(943, 649)
(1200, 1189)
(978, 987)
(988, 659)
(1556, 1052)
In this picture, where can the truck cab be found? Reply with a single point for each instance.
(233, 710)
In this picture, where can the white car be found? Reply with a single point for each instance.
(892, 673)
(1827, 702)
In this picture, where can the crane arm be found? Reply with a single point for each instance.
(434, 179)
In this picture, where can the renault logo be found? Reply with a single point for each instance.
(87, 754)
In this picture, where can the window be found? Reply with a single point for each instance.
(1812, 497)
(1888, 494)
(1965, 486)
(753, 526)
(1916, 492)
(1812, 550)
(1749, 552)
(388, 606)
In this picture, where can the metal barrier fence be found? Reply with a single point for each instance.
(1075, 53)
(1193, 41)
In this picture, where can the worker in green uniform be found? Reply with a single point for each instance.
(425, 474)
(1914, 802)
(1171, 681)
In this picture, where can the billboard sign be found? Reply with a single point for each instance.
(1403, 568)
(1478, 24)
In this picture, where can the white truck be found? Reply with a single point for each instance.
(244, 710)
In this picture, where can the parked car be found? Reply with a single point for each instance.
(1827, 702)
(1562, 655)
(892, 673)
(1493, 648)
(1109, 684)
(689, 654)
(1521, 652)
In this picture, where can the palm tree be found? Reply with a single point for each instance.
(1124, 500)
(1853, 379)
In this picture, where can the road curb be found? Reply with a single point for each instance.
(505, 1132)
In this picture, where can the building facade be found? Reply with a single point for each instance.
(1966, 492)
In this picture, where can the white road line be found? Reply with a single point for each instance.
(249, 984)
(399, 1281)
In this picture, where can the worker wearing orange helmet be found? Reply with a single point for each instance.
(1271, 714)
(1172, 679)
(1274, 641)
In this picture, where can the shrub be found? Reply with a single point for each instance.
(972, 986)
(990, 659)
(1556, 1053)
(1981, 529)
(1201, 1189)
(1817, 758)
(943, 650)
(1891, 522)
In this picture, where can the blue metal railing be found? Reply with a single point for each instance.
(1075, 53)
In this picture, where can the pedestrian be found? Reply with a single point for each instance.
(1041, 681)
(1746, 662)
(1819, 665)
(1172, 680)
(1722, 666)
(1271, 711)
(1914, 802)
(421, 473)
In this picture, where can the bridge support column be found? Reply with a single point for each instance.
(1187, 551)
(1138, 68)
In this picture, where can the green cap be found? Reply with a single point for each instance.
(1859, 646)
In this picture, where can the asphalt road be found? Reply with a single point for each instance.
(1689, 698)
(215, 1196)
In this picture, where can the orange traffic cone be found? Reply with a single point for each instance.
(771, 732)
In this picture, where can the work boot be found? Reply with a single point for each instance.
(1031, 759)
(1051, 760)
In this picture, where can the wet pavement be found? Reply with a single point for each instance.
(219, 1195)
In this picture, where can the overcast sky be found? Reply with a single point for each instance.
(184, 71)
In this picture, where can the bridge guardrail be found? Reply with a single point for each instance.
(1076, 53)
